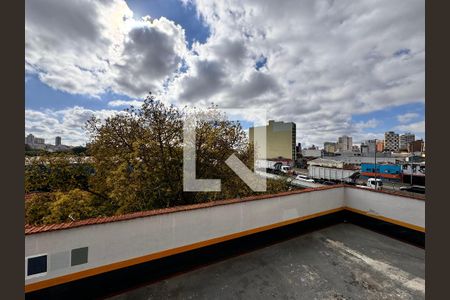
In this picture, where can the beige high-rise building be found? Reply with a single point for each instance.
(281, 140)
(344, 143)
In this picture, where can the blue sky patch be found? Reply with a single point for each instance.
(388, 117)
(186, 16)
(260, 62)
(401, 52)
(39, 96)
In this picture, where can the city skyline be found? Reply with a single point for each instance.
(360, 73)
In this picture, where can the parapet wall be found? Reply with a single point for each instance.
(116, 244)
(404, 211)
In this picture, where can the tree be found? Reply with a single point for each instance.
(79, 150)
(57, 207)
(135, 163)
(38, 208)
(77, 205)
(57, 173)
(138, 156)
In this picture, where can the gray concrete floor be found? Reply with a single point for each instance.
(344, 261)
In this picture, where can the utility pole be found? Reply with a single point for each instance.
(411, 174)
(376, 162)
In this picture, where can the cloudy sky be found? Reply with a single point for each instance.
(333, 67)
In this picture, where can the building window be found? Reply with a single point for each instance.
(79, 256)
(36, 265)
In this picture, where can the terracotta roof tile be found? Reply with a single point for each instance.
(392, 192)
(30, 229)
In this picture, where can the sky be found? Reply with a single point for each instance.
(332, 67)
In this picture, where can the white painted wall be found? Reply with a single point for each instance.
(118, 241)
(399, 208)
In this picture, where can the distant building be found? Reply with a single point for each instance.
(355, 148)
(405, 139)
(345, 143)
(309, 153)
(58, 141)
(29, 140)
(39, 140)
(281, 140)
(370, 146)
(298, 149)
(32, 140)
(364, 149)
(329, 147)
(416, 146)
(357, 158)
(380, 146)
(391, 141)
(384, 171)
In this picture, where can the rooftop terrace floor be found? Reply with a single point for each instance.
(343, 261)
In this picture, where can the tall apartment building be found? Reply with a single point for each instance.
(281, 140)
(58, 141)
(391, 141)
(329, 147)
(405, 139)
(344, 143)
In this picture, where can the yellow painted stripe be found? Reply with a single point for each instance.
(134, 261)
(389, 220)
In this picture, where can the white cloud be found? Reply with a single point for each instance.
(372, 123)
(325, 60)
(407, 117)
(417, 127)
(91, 47)
(68, 123)
(118, 103)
